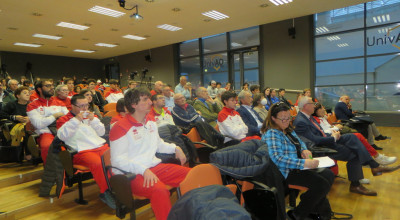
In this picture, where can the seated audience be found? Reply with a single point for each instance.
(320, 116)
(121, 112)
(157, 88)
(183, 88)
(271, 98)
(131, 85)
(77, 89)
(218, 100)
(81, 130)
(212, 89)
(8, 95)
(245, 87)
(254, 89)
(307, 93)
(348, 147)
(343, 111)
(207, 107)
(169, 99)
(138, 156)
(230, 123)
(249, 116)
(61, 95)
(259, 102)
(184, 114)
(159, 113)
(219, 85)
(228, 86)
(115, 93)
(43, 113)
(99, 86)
(291, 156)
(96, 95)
(92, 107)
(282, 97)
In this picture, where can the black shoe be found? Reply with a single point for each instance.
(291, 215)
(376, 147)
(381, 138)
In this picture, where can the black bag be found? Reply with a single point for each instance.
(261, 202)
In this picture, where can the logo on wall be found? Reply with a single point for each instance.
(216, 61)
(389, 38)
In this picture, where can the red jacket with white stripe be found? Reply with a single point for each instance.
(113, 96)
(40, 113)
(165, 118)
(231, 124)
(133, 145)
(80, 135)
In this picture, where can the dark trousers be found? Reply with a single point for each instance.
(318, 182)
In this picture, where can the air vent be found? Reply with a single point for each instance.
(85, 38)
(12, 28)
(114, 29)
(60, 46)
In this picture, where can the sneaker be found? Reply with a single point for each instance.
(365, 181)
(385, 160)
(108, 199)
(376, 147)
(381, 138)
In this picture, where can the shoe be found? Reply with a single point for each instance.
(362, 190)
(385, 160)
(381, 138)
(291, 215)
(365, 181)
(108, 199)
(383, 169)
(376, 147)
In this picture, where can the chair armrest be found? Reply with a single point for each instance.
(206, 145)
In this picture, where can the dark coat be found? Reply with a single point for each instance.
(249, 120)
(342, 112)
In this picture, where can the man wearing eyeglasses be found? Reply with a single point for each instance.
(43, 113)
(249, 116)
(81, 130)
(61, 94)
(159, 112)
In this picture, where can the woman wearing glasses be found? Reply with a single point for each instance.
(92, 107)
(291, 156)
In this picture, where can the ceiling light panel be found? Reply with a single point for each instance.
(215, 15)
(280, 2)
(27, 45)
(106, 11)
(105, 45)
(83, 51)
(133, 37)
(381, 18)
(169, 27)
(72, 26)
(47, 36)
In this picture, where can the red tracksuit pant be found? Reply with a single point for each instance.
(45, 141)
(369, 148)
(168, 174)
(92, 159)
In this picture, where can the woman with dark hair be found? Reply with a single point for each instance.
(77, 89)
(121, 111)
(245, 87)
(271, 98)
(228, 86)
(96, 95)
(295, 162)
(92, 107)
(259, 102)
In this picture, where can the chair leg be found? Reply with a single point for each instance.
(80, 200)
(293, 193)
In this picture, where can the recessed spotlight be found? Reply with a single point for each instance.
(12, 28)
(263, 5)
(27, 45)
(72, 26)
(207, 20)
(176, 9)
(215, 15)
(37, 14)
(47, 36)
(85, 38)
(105, 45)
(114, 29)
(169, 27)
(61, 46)
(106, 11)
(83, 51)
(133, 37)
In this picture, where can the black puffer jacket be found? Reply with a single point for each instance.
(245, 160)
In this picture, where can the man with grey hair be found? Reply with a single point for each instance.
(183, 113)
(349, 148)
(61, 94)
(212, 89)
(157, 88)
(8, 94)
(182, 87)
(218, 100)
(249, 116)
(169, 99)
(207, 106)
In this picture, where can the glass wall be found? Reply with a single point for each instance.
(211, 58)
(357, 52)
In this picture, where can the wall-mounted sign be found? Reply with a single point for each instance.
(391, 37)
(216, 62)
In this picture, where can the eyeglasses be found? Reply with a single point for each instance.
(283, 120)
(49, 85)
(82, 106)
(64, 90)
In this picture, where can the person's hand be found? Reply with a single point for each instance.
(336, 134)
(340, 127)
(311, 164)
(20, 118)
(149, 178)
(58, 114)
(306, 154)
(79, 116)
(90, 116)
(185, 87)
(26, 118)
(349, 105)
(180, 155)
(199, 112)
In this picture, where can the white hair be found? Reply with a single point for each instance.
(242, 94)
(302, 101)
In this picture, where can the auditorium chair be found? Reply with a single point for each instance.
(120, 186)
(110, 107)
(111, 113)
(203, 149)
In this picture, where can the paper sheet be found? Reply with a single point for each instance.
(323, 162)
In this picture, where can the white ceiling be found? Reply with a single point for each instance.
(18, 22)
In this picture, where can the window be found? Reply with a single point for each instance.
(340, 45)
(214, 43)
(189, 48)
(383, 69)
(245, 38)
(349, 71)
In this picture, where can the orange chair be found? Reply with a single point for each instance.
(203, 149)
(120, 186)
(111, 113)
(110, 107)
(200, 176)
(332, 119)
(293, 193)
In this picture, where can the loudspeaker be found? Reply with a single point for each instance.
(147, 58)
(292, 32)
